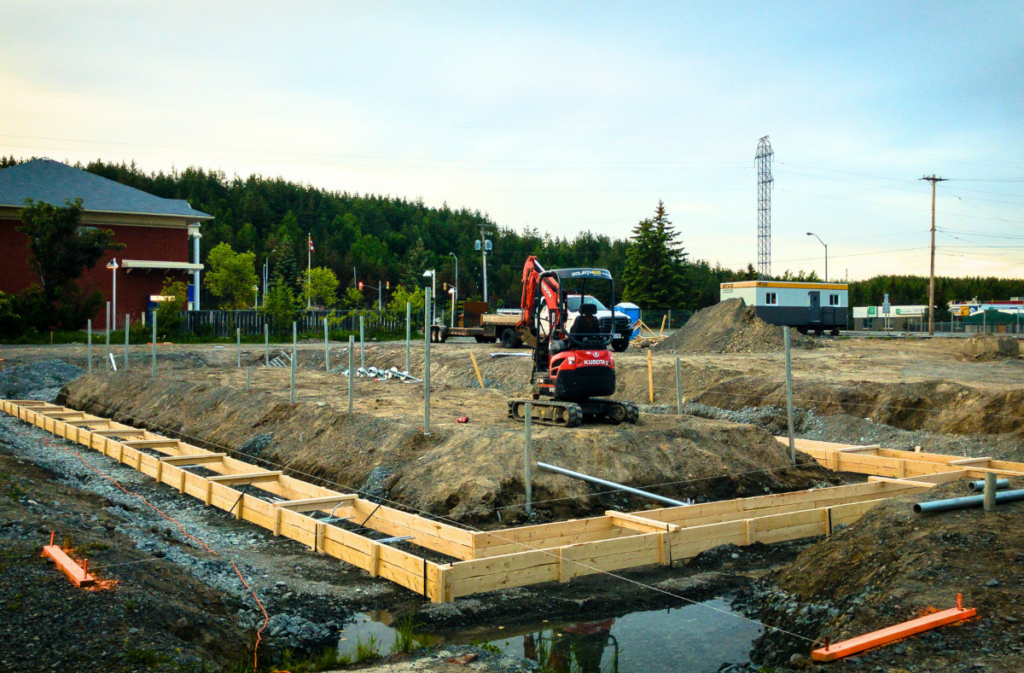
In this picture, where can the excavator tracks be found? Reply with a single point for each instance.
(572, 414)
(547, 412)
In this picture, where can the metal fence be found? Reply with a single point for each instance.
(958, 326)
(224, 323)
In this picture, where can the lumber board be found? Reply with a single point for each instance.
(538, 532)
(316, 504)
(193, 459)
(551, 543)
(249, 478)
(906, 482)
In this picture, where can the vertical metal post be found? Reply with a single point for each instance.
(266, 343)
(528, 467)
(789, 395)
(154, 343)
(426, 361)
(362, 354)
(107, 333)
(679, 388)
(327, 349)
(248, 379)
(408, 333)
(127, 318)
(990, 491)
(351, 368)
(90, 345)
(238, 345)
(295, 357)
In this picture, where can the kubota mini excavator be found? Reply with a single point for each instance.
(572, 366)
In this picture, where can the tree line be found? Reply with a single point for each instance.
(373, 239)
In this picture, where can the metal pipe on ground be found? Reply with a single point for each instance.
(966, 502)
(611, 484)
(978, 486)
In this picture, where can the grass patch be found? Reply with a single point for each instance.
(368, 651)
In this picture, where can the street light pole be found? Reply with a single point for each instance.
(455, 297)
(826, 252)
(112, 265)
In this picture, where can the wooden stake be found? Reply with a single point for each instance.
(479, 378)
(650, 377)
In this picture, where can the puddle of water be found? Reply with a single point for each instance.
(692, 638)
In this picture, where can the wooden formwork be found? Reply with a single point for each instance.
(484, 561)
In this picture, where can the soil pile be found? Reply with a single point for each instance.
(893, 565)
(469, 472)
(989, 347)
(729, 327)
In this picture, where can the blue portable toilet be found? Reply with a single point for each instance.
(633, 311)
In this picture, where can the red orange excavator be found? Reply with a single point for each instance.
(572, 367)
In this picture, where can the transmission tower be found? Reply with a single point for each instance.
(764, 208)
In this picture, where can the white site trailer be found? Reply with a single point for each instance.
(817, 307)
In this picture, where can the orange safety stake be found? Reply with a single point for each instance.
(80, 576)
(893, 633)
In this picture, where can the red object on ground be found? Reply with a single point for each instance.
(893, 633)
(78, 575)
(462, 419)
(463, 660)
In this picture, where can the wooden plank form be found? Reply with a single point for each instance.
(527, 555)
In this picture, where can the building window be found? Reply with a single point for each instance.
(833, 300)
(771, 298)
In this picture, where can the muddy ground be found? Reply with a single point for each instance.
(901, 393)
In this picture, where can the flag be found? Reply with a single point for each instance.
(311, 248)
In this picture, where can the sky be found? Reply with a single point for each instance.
(566, 117)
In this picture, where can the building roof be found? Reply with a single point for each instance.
(991, 317)
(55, 183)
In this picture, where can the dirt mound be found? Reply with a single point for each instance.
(893, 565)
(990, 347)
(729, 327)
(469, 472)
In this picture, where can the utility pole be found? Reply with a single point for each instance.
(931, 276)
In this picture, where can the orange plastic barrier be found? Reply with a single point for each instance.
(893, 633)
(79, 575)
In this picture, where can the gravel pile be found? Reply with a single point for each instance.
(37, 381)
(729, 327)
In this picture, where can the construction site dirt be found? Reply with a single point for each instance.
(900, 393)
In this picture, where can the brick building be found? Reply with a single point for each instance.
(155, 232)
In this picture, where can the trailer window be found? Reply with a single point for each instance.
(833, 300)
(771, 298)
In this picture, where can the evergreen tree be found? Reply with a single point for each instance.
(416, 262)
(656, 275)
(286, 270)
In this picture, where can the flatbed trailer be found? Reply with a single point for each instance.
(474, 321)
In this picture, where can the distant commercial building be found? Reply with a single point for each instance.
(963, 309)
(155, 231)
(817, 307)
(898, 318)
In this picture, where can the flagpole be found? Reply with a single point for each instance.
(309, 268)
